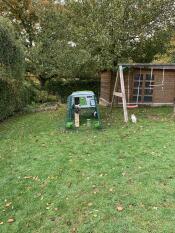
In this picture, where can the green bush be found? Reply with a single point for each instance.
(41, 96)
(13, 97)
(64, 89)
(11, 50)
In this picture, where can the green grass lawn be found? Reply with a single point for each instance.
(119, 179)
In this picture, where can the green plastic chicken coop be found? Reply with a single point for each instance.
(79, 103)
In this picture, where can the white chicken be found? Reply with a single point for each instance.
(134, 119)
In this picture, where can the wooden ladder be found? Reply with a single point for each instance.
(121, 94)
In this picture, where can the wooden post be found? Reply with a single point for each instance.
(123, 93)
(77, 119)
(115, 87)
(174, 108)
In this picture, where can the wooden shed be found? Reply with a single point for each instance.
(145, 84)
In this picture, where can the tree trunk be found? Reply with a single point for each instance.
(42, 81)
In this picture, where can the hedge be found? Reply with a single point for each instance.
(13, 97)
(64, 89)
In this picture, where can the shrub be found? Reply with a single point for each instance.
(11, 50)
(41, 96)
(13, 97)
(64, 89)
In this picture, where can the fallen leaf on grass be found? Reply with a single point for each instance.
(90, 204)
(8, 204)
(119, 208)
(1, 223)
(39, 195)
(28, 177)
(74, 230)
(43, 145)
(96, 191)
(35, 178)
(31, 177)
(11, 220)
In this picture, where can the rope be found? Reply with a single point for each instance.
(128, 86)
(151, 79)
(160, 84)
(163, 79)
(138, 90)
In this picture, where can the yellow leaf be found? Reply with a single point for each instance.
(90, 204)
(8, 204)
(120, 208)
(28, 177)
(11, 220)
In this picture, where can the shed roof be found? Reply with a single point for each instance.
(170, 66)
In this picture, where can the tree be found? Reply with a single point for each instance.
(64, 40)
(146, 51)
(169, 56)
(22, 14)
(54, 54)
(116, 30)
(43, 28)
(11, 52)
(103, 32)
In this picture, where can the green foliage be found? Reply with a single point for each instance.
(170, 54)
(54, 55)
(13, 97)
(42, 96)
(116, 30)
(11, 53)
(64, 89)
(103, 32)
(23, 15)
(147, 50)
(13, 94)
